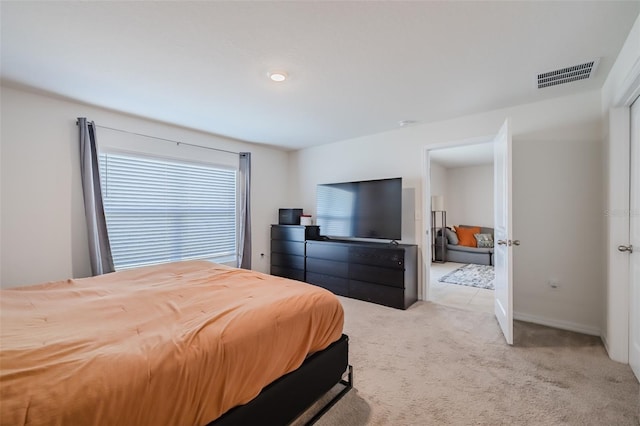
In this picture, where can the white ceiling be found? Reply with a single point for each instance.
(463, 156)
(356, 68)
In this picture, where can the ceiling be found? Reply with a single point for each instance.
(355, 68)
(463, 156)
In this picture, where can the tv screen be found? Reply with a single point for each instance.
(364, 209)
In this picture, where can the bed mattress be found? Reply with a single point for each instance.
(179, 343)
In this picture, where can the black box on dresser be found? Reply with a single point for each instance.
(289, 216)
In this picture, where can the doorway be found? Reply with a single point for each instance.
(461, 188)
(502, 256)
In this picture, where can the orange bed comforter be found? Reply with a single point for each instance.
(176, 344)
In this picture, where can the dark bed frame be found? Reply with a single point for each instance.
(284, 400)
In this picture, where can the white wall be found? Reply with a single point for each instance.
(563, 177)
(620, 88)
(438, 180)
(469, 196)
(42, 228)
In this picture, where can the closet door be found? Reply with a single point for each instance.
(634, 242)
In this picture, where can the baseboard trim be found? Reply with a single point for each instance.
(605, 344)
(563, 325)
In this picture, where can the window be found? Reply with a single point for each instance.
(161, 210)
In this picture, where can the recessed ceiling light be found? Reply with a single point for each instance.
(405, 123)
(278, 76)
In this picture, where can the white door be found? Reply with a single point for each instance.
(502, 256)
(634, 242)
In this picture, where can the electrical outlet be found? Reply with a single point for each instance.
(554, 283)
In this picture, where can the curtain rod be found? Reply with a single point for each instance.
(164, 139)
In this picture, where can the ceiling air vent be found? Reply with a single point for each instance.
(568, 74)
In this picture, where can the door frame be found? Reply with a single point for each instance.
(424, 289)
(634, 234)
(616, 335)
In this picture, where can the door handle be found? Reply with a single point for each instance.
(508, 242)
(624, 248)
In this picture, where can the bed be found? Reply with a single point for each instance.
(189, 343)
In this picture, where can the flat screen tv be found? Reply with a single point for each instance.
(364, 209)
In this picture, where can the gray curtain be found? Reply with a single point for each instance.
(99, 247)
(244, 240)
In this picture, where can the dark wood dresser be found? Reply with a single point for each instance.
(288, 249)
(376, 272)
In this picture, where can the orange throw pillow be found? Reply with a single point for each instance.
(466, 237)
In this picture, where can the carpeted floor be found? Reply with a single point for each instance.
(437, 365)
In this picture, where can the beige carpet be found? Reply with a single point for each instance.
(438, 365)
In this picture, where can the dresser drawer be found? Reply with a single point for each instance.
(388, 258)
(376, 274)
(380, 294)
(288, 247)
(328, 267)
(287, 232)
(294, 274)
(335, 285)
(329, 251)
(287, 261)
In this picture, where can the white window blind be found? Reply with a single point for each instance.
(161, 210)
